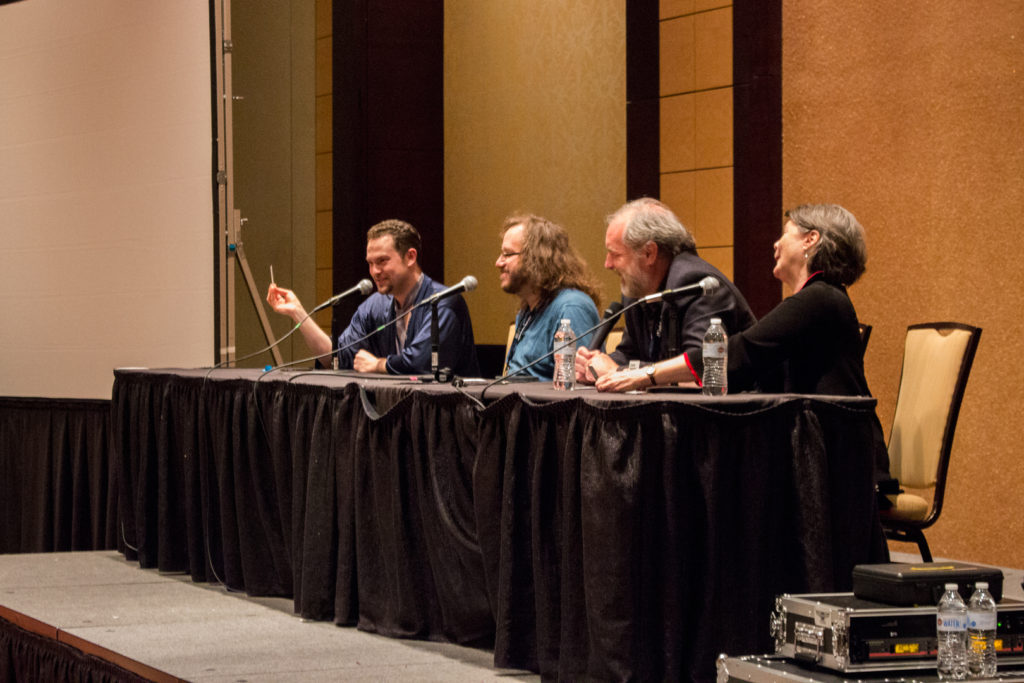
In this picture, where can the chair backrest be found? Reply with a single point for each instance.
(508, 346)
(865, 335)
(611, 342)
(937, 359)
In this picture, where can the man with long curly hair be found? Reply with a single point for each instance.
(538, 265)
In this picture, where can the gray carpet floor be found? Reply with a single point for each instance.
(170, 628)
(167, 627)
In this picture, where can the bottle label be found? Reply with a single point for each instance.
(951, 622)
(714, 350)
(981, 621)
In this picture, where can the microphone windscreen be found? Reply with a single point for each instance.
(709, 284)
(365, 286)
(469, 282)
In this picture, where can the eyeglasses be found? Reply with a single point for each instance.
(506, 255)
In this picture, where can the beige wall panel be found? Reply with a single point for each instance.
(324, 291)
(674, 8)
(713, 222)
(719, 257)
(324, 65)
(533, 123)
(913, 121)
(705, 5)
(713, 126)
(703, 202)
(324, 118)
(678, 133)
(678, 191)
(324, 17)
(324, 182)
(324, 239)
(677, 54)
(713, 48)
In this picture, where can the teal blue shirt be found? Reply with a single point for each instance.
(535, 330)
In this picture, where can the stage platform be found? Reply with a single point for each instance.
(168, 628)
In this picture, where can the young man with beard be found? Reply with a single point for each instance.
(402, 348)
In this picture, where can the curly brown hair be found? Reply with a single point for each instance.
(548, 261)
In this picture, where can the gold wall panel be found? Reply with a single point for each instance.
(696, 134)
(909, 114)
(535, 120)
(713, 48)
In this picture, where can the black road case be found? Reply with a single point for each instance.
(776, 669)
(923, 583)
(842, 632)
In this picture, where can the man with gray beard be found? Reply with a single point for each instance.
(651, 251)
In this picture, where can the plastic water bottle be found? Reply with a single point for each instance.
(565, 357)
(952, 635)
(716, 350)
(981, 633)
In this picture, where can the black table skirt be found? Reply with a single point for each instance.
(603, 537)
(56, 482)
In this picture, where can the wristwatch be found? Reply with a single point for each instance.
(651, 369)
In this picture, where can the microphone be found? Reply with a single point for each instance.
(364, 287)
(705, 286)
(611, 314)
(467, 284)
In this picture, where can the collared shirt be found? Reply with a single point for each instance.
(402, 320)
(373, 328)
(663, 330)
(535, 330)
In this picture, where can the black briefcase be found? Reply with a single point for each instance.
(897, 583)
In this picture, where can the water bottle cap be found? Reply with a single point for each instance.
(716, 321)
(952, 587)
(566, 321)
(981, 584)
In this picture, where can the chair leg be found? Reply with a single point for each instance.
(922, 544)
(904, 535)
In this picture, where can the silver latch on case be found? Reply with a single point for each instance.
(807, 641)
(777, 623)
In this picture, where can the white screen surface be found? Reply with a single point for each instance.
(106, 196)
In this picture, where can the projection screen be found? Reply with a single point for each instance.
(106, 192)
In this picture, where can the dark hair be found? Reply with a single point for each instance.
(649, 220)
(404, 235)
(547, 259)
(841, 253)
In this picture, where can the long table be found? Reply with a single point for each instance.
(582, 535)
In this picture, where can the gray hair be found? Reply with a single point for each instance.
(648, 220)
(842, 253)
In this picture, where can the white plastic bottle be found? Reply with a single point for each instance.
(565, 357)
(951, 629)
(716, 363)
(981, 633)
